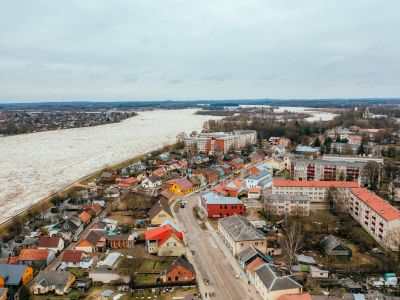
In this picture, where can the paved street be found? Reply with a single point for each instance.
(212, 259)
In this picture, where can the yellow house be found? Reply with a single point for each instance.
(21, 274)
(160, 212)
(172, 246)
(180, 186)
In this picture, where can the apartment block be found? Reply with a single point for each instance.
(220, 141)
(328, 170)
(287, 204)
(315, 190)
(380, 219)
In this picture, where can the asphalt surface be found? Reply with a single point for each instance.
(212, 259)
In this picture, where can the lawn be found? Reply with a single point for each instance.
(153, 266)
(146, 278)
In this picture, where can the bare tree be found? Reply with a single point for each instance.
(336, 200)
(293, 240)
(393, 242)
(372, 170)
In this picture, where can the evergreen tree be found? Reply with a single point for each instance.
(317, 143)
(23, 293)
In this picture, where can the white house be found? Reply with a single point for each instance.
(316, 272)
(55, 244)
(262, 180)
(151, 182)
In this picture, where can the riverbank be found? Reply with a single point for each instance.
(37, 165)
(46, 203)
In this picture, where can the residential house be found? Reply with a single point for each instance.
(36, 257)
(160, 212)
(237, 163)
(70, 228)
(76, 259)
(55, 244)
(211, 175)
(331, 246)
(58, 282)
(120, 241)
(262, 180)
(304, 296)
(83, 284)
(95, 241)
(102, 275)
(254, 193)
(94, 210)
(179, 271)
(277, 163)
(13, 276)
(250, 258)
(85, 217)
(216, 206)
(168, 195)
(164, 241)
(126, 182)
(108, 177)
(226, 191)
(180, 186)
(151, 182)
(159, 172)
(271, 285)
(256, 157)
(236, 184)
(238, 234)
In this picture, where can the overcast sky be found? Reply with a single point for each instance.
(206, 49)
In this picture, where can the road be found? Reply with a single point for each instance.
(212, 259)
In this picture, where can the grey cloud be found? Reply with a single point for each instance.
(174, 49)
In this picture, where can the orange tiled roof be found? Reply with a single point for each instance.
(305, 296)
(254, 190)
(254, 264)
(322, 184)
(33, 254)
(85, 217)
(83, 243)
(376, 203)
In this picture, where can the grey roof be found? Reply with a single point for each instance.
(259, 175)
(12, 273)
(106, 175)
(329, 243)
(323, 162)
(240, 229)
(285, 197)
(49, 278)
(250, 252)
(306, 259)
(272, 281)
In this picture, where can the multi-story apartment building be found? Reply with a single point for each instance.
(316, 190)
(329, 170)
(380, 219)
(287, 204)
(352, 158)
(220, 141)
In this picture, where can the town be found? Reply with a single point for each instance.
(26, 121)
(224, 214)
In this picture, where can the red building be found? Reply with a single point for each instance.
(217, 206)
(179, 271)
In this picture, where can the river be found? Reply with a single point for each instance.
(32, 166)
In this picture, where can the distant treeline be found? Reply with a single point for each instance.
(174, 104)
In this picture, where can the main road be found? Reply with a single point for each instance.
(211, 258)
